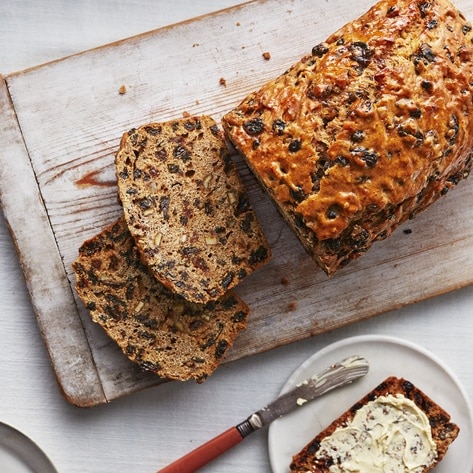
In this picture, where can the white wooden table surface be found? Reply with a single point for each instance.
(149, 429)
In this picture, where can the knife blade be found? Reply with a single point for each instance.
(336, 375)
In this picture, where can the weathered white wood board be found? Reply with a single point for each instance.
(60, 125)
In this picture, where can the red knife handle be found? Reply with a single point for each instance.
(205, 453)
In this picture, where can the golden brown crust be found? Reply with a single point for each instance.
(158, 330)
(444, 432)
(366, 131)
(187, 209)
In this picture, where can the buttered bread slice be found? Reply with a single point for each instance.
(187, 208)
(396, 428)
(160, 331)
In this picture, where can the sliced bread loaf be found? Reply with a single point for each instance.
(366, 131)
(187, 209)
(396, 428)
(158, 330)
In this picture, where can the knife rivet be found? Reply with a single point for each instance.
(255, 421)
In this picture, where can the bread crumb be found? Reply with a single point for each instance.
(195, 45)
(223, 81)
(238, 23)
(122, 90)
(267, 55)
(292, 306)
(186, 114)
(284, 281)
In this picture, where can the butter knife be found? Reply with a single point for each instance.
(336, 375)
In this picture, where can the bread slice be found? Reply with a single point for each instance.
(187, 209)
(376, 419)
(158, 330)
(367, 130)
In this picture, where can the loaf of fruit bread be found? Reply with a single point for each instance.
(396, 428)
(187, 209)
(367, 130)
(158, 330)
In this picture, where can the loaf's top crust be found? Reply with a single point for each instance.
(379, 113)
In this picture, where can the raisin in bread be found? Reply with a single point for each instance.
(367, 130)
(396, 427)
(187, 209)
(155, 328)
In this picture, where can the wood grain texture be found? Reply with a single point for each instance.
(42, 266)
(61, 126)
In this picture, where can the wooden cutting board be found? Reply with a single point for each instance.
(60, 127)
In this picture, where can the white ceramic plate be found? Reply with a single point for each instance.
(19, 454)
(387, 356)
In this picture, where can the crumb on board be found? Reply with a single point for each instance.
(122, 90)
(292, 306)
(284, 281)
(185, 114)
(266, 55)
(222, 81)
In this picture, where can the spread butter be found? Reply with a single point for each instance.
(388, 435)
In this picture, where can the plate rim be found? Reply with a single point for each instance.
(294, 377)
(18, 443)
